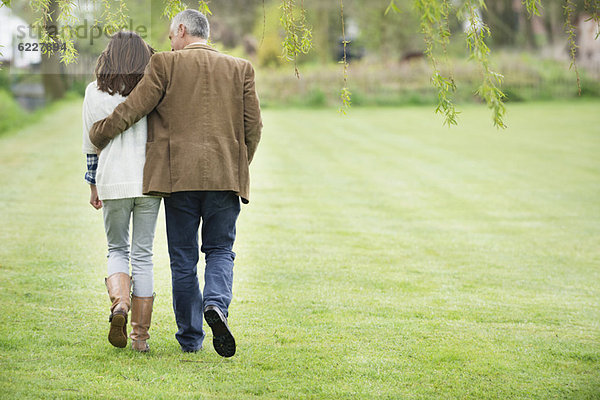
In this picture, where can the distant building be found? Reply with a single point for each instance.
(9, 42)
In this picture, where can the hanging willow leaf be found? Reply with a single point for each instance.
(67, 20)
(569, 10)
(592, 7)
(533, 6)
(489, 90)
(203, 8)
(298, 34)
(434, 26)
(345, 94)
(173, 7)
(392, 7)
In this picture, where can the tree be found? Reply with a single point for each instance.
(54, 85)
(480, 17)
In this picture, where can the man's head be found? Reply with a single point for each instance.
(187, 27)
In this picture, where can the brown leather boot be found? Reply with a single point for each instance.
(119, 287)
(141, 315)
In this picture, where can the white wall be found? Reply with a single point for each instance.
(9, 41)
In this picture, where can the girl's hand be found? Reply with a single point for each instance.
(94, 201)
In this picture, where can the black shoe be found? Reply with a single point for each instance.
(223, 340)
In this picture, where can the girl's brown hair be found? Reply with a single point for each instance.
(121, 65)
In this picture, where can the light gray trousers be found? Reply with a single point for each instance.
(117, 215)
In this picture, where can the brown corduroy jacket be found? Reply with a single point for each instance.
(204, 121)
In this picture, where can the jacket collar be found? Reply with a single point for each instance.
(199, 46)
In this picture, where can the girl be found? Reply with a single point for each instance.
(115, 178)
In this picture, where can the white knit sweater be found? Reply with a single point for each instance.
(121, 163)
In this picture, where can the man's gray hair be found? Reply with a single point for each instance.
(195, 22)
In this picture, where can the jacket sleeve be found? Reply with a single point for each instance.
(142, 99)
(252, 119)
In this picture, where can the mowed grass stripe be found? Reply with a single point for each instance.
(382, 256)
(491, 222)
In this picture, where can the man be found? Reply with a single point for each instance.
(204, 125)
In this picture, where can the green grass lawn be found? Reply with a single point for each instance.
(382, 256)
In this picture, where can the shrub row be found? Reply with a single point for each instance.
(409, 83)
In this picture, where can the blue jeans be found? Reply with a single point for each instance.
(218, 211)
